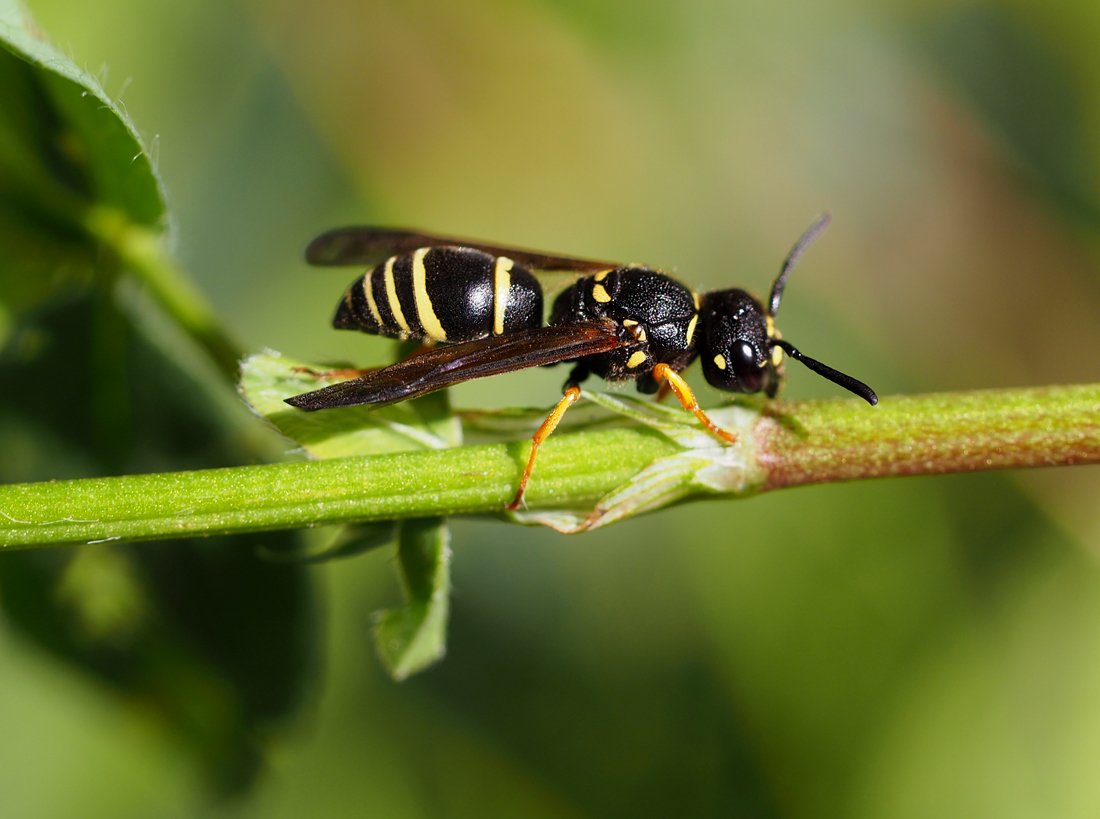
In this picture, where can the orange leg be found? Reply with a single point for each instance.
(572, 394)
(666, 375)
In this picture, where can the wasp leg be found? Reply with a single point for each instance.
(572, 394)
(666, 375)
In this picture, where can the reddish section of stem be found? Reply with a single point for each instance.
(816, 442)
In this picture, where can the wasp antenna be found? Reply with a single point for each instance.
(853, 385)
(804, 241)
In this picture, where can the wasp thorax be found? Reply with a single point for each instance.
(736, 350)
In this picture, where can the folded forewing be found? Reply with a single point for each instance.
(359, 245)
(446, 366)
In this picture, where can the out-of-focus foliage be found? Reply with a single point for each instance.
(906, 648)
(212, 645)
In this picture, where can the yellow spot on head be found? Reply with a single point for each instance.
(720, 361)
(772, 332)
(599, 294)
(777, 356)
(424, 309)
(636, 359)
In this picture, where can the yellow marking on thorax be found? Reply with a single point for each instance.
(639, 333)
(602, 275)
(425, 311)
(636, 359)
(720, 361)
(391, 296)
(368, 291)
(600, 294)
(502, 283)
(691, 328)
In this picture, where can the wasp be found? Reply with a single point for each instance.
(483, 306)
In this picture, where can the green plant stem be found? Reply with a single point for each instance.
(795, 443)
(275, 496)
(142, 250)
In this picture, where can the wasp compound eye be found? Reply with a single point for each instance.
(747, 367)
(743, 357)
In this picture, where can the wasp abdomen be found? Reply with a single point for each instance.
(446, 294)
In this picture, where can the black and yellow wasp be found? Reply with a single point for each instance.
(484, 306)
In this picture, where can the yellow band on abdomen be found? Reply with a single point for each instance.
(391, 296)
(424, 309)
(502, 284)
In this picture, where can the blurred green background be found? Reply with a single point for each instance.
(899, 648)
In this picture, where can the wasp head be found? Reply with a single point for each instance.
(737, 348)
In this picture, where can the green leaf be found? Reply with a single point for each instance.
(64, 143)
(268, 378)
(80, 198)
(413, 636)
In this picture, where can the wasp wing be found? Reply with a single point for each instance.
(370, 245)
(446, 366)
